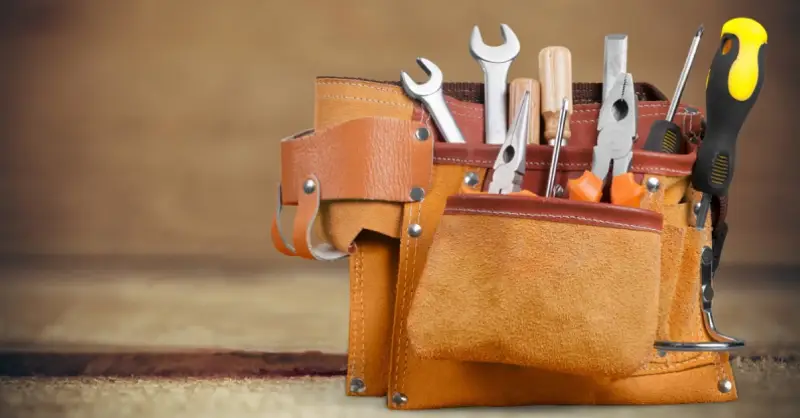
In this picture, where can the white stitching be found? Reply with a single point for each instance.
(364, 99)
(547, 216)
(638, 168)
(356, 84)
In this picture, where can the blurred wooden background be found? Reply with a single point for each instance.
(151, 127)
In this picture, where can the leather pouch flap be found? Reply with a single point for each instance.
(559, 285)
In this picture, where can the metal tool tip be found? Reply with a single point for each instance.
(700, 31)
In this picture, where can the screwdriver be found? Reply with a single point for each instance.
(732, 87)
(665, 136)
(516, 91)
(559, 139)
(555, 76)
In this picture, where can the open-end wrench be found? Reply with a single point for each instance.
(495, 62)
(430, 94)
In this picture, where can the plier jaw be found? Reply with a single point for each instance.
(509, 167)
(620, 106)
(617, 125)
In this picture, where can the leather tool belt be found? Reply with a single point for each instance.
(467, 299)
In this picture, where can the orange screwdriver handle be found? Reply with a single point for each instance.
(625, 191)
(587, 188)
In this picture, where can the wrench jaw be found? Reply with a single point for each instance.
(430, 87)
(495, 62)
(495, 54)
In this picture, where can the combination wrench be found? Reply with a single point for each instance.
(495, 62)
(430, 94)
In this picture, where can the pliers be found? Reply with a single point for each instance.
(509, 167)
(617, 132)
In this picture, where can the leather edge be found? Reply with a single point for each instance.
(555, 210)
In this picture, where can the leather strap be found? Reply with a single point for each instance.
(374, 158)
(307, 211)
(276, 232)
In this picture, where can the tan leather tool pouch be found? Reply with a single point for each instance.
(390, 201)
(555, 284)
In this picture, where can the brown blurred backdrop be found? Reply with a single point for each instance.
(151, 127)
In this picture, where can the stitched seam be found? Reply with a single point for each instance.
(360, 280)
(476, 115)
(356, 84)
(352, 366)
(659, 104)
(405, 310)
(674, 366)
(402, 382)
(556, 217)
(664, 169)
(469, 161)
(404, 284)
(365, 99)
(581, 121)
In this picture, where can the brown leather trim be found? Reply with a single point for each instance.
(570, 159)
(555, 210)
(582, 92)
(373, 158)
(306, 212)
(582, 123)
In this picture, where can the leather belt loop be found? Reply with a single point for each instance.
(308, 204)
(278, 241)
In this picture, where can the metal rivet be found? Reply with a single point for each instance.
(357, 385)
(414, 230)
(697, 208)
(309, 186)
(725, 386)
(471, 179)
(707, 292)
(352, 248)
(558, 191)
(653, 184)
(399, 399)
(417, 194)
(707, 255)
(662, 353)
(422, 134)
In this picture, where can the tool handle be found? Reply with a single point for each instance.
(733, 85)
(516, 91)
(555, 76)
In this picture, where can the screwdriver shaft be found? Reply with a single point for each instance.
(687, 68)
(562, 119)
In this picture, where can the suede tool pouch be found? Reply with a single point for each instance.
(554, 284)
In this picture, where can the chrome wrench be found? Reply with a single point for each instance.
(430, 94)
(495, 62)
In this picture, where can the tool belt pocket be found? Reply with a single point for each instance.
(559, 285)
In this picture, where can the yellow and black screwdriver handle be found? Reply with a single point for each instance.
(732, 87)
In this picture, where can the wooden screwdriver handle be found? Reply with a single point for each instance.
(516, 90)
(555, 76)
